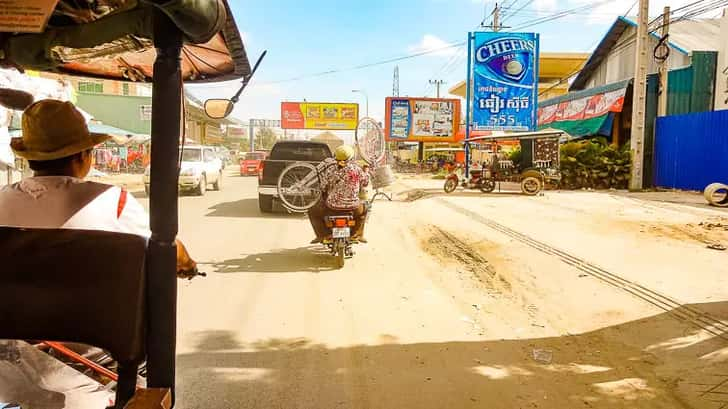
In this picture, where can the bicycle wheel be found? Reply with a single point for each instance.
(370, 141)
(298, 187)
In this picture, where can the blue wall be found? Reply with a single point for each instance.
(691, 150)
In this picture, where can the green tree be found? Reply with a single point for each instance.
(265, 138)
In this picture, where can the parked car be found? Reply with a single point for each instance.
(200, 167)
(283, 154)
(251, 163)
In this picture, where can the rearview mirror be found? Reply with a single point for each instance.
(218, 108)
(221, 108)
(15, 99)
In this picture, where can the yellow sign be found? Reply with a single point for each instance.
(330, 116)
(25, 16)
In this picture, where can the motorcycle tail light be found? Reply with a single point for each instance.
(340, 222)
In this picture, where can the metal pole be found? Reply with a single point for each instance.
(468, 85)
(662, 102)
(366, 98)
(162, 253)
(639, 98)
(251, 134)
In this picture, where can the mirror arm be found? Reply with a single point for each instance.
(246, 80)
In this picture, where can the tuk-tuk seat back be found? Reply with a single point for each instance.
(75, 286)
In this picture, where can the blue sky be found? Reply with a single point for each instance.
(310, 36)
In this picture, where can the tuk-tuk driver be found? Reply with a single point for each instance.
(58, 146)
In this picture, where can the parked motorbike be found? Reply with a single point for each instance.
(477, 180)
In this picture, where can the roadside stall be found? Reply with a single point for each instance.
(158, 41)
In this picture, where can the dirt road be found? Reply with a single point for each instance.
(568, 300)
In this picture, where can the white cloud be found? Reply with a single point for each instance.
(432, 42)
(545, 5)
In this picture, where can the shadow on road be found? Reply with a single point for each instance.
(311, 259)
(656, 362)
(247, 208)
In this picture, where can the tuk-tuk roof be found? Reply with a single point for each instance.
(546, 134)
(131, 57)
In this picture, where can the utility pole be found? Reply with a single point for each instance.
(662, 102)
(251, 134)
(395, 81)
(421, 145)
(639, 98)
(496, 18)
(437, 84)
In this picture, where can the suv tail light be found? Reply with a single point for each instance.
(260, 171)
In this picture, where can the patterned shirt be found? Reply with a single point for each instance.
(342, 184)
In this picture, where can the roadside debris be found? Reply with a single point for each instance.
(543, 356)
(716, 246)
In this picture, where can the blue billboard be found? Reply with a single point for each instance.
(504, 79)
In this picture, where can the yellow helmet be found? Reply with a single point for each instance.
(344, 153)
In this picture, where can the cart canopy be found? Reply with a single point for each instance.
(114, 40)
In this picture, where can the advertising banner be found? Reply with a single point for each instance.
(583, 108)
(318, 115)
(25, 16)
(422, 119)
(505, 81)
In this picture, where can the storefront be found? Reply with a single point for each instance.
(593, 112)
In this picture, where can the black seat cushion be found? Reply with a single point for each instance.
(74, 285)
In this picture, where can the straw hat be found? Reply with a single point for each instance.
(52, 130)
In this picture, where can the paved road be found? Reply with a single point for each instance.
(440, 310)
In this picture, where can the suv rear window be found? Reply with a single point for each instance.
(254, 156)
(191, 155)
(302, 152)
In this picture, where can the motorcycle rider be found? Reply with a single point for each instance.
(341, 180)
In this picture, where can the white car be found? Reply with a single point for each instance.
(200, 167)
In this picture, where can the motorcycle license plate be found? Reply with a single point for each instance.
(340, 232)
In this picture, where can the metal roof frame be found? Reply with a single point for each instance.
(620, 25)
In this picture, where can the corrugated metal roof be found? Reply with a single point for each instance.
(696, 35)
(685, 36)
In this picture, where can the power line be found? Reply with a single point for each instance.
(526, 24)
(526, 4)
(713, 5)
(631, 8)
(560, 14)
(368, 65)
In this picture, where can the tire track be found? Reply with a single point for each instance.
(682, 312)
(449, 246)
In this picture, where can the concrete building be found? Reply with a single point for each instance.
(613, 60)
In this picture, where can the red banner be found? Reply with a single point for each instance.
(292, 116)
(582, 108)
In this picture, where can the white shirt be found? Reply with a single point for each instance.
(84, 205)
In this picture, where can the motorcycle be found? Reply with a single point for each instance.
(479, 179)
(341, 244)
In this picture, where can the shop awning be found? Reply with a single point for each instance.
(583, 113)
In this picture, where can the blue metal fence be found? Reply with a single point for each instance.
(691, 151)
